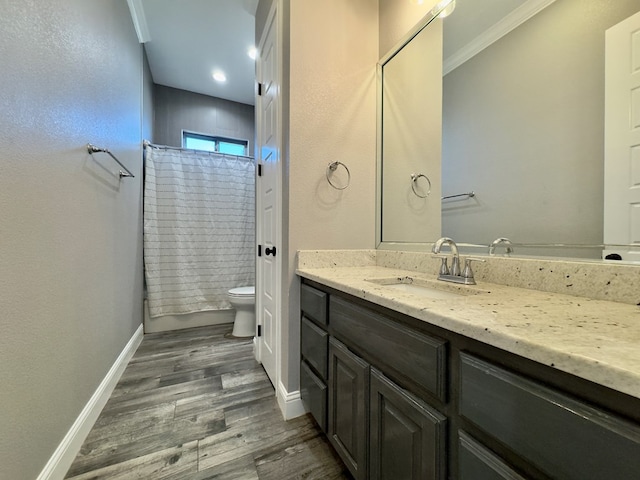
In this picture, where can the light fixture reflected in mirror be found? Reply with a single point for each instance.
(445, 7)
(219, 76)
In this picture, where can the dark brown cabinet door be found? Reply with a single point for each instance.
(563, 437)
(313, 393)
(348, 407)
(476, 462)
(408, 438)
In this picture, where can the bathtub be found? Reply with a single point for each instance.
(189, 320)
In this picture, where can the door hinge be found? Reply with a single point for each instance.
(259, 330)
(259, 169)
(259, 250)
(259, 88)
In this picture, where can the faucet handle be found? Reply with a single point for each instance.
(467, 272)
(444, 268)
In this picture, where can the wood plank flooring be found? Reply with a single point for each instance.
(195, 405)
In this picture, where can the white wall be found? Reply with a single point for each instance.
(396, 19)
(331, 116)
(70, 232)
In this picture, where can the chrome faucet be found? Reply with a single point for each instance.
(502, 240)
(454, 274)
(455, 257)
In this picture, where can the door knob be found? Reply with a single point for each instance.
(270, 251)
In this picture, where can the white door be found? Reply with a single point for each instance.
(268, 204)
(622, 138)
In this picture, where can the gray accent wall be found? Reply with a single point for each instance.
(177, 110)
(523, 127)
(70, 230)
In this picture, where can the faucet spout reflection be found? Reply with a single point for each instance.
(498, 241)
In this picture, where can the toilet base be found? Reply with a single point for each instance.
(244, 324)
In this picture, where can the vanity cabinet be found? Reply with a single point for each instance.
(314, 351)
(407, 436)
(403, 399)
(366, 411)
(555, 432)
(348, 407)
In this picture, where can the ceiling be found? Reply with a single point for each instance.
(472, 18)
(187, 40)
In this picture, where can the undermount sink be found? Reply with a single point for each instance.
(433, 289)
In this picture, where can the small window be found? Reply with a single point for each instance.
(198, 141)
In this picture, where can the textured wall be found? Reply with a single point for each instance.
(396, 19)
(177, 110)
(332, 116)
(70, 232)
(524, 128)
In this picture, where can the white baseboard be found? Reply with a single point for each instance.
(290, 403)
(59, 463)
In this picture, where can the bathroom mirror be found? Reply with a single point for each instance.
(522, 128)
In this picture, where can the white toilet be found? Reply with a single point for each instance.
(243, 300)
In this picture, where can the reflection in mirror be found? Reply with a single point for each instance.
(411, 132)
(523, 128)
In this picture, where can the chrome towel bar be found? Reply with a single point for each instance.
(470, 195)
(93, 149)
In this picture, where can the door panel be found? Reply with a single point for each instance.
(268, 156)
(622, 137)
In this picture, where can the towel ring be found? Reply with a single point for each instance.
(414, 180)
(332, 167)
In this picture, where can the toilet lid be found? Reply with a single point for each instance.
(243, 291)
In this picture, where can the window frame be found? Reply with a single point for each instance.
(216, 140)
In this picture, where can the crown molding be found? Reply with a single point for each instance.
(495, 33)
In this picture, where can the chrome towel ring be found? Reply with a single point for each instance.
(332, 167)
(414, 180)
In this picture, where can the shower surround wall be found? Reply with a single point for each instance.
(71, 232)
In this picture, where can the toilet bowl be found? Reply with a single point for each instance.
(243, 300)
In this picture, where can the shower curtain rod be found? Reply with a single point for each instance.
(167, 147)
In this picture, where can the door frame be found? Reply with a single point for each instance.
(273, 21)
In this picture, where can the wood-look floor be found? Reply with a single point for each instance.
(195, 405)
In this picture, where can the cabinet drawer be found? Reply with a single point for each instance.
(475, 462)
(313, 392)
(559, 435)
(313, 303)
(314, 346)
(392, 347)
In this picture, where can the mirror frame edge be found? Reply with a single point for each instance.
(415, 30)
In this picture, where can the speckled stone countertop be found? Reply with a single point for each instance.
(594, 339)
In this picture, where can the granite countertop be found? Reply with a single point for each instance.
(594, 339)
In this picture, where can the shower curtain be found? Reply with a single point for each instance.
(199, 228)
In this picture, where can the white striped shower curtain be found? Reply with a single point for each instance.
(199, 229)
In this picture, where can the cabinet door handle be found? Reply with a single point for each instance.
(270, 251)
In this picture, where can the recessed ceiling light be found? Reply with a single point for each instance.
(252, 52)
(219, 76)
